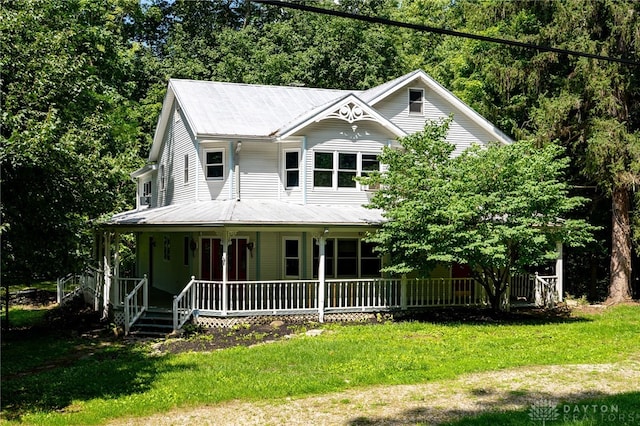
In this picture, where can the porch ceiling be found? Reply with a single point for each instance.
(249, 212)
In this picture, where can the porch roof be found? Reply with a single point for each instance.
(249, 212)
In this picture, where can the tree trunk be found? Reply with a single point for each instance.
(619, 287)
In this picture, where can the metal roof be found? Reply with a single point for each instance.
(249, 212)
(229, 109)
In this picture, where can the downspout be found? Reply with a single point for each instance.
(236, 168)
(304, 170)
(231, 169)
(196, 175)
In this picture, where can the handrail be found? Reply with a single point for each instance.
(184, 305)
(132, 312)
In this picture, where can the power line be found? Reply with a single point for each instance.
(425, 28)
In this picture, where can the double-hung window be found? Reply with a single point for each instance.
(292, 169)
(416, 101)
(186, 168)
(292, 257)
(347, 170)
(214, 165)
(323, 169)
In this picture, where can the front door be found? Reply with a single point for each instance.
(238, 260)
(211, 259)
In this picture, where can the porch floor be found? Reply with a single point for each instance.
(160, 299)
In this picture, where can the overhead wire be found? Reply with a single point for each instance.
(426, 28)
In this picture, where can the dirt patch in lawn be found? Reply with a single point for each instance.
(426, 404)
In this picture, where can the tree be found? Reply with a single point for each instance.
(499, 209)
(70, 134)
(588, 106)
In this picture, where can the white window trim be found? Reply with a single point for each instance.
(284, 256)
(332, 170)
(285, 170)
(224, 164)
(163, 178)
(417, 89)
(186, 171)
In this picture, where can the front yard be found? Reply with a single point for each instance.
(447, 366)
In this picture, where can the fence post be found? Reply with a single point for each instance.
(145, 293)
(59, 292)
(559, 271)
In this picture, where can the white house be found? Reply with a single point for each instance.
(248, 203)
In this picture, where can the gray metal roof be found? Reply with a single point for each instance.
(215, 108)
(249, 212)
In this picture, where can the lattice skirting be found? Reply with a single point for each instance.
(118, 317)
(215, 322)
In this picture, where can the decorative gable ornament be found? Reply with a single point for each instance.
(350, 112)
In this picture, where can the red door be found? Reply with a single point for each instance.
(238, 260)
(211, 259)
(460, 274)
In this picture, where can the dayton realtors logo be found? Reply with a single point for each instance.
(546, 410)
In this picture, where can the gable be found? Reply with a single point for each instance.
(392, 100)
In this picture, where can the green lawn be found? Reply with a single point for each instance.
(117, 381)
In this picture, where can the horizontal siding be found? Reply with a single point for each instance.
(184, 144)
(463, 131)
(259, 170)
(213, 189)
(338, 136)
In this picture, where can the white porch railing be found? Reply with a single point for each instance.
(135, 302)
(546, 293)
(245, 298)
(351, 295)
(86, 283)
(428, 292)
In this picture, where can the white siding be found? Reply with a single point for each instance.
(462, 131)
(259, 170)
(184, 144)
(214, 189)
(337, 136)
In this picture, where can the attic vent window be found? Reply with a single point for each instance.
(416, 101)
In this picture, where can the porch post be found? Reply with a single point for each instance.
(106, 291)
(116, 268)
(225, 275)
(403, 292)
(559, 271)
(321, 278)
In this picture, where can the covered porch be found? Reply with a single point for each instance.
(259, 258)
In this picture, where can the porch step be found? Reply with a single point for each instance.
(153, 324)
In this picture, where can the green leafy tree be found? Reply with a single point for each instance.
(589, 106)
(499, 209)
(70, 132)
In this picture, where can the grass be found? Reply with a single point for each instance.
(119, 381)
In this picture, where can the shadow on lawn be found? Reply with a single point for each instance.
(517, 408)
(71, 356)
(472, 315)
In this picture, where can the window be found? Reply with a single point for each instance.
(323, 169)
(347, 170)
(162, 177)
(214, 164)
(416, 98)
(291, 257)
(186, 168)
(347, 258)
(292, 169)
(370, 164)
(185, 251)
(328, 258)
(166, 248)
(370, 262)
(146, 189)
(353, 258)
